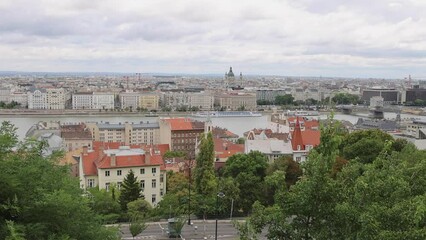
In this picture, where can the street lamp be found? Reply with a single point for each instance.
(219, 195)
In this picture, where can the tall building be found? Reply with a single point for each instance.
(109, 163)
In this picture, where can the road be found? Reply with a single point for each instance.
(198, 230)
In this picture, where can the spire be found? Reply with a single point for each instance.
(296, 137)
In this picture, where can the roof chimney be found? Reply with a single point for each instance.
(85, 150)
(148, 157)
(113, 160)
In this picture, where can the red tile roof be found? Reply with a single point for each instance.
(179, 123)
(224, 148)
(306, 137)
(97, 159)
(296, 138)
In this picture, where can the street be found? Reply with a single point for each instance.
(198, 230)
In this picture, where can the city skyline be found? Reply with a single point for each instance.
(383, 39)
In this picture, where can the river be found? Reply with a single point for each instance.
(237, 125)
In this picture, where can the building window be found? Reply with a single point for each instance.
(154, 198)
(107, 186)
(142, 170)
(142, 184)
(161, 192)
(161, 178)
(106, 173)
(154, 183)
(298, 159)
(119, 185)
(90, 183)
(118, 172)
(154, 170)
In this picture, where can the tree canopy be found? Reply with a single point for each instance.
(39, 199)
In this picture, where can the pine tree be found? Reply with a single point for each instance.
(130, 190)
(205, 181)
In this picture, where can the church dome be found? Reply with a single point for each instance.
(230, 73)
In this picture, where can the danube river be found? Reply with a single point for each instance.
(237, 125)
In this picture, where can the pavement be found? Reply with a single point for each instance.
(197, 230)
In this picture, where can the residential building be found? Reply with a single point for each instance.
(150, 101)
(128, 133)
(270, 94)
(236, 101)
(55, 98)
(182, 134)
(129, 100)
(303, 139)
(37, 99)
(272, 147)
(109, 163)
(75, 136)
(93, 100)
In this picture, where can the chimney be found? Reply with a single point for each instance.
(113, 160)
(85, 150)
(148, 157)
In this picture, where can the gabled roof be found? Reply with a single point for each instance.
(296, 138)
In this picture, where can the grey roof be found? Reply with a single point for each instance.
(269, 146)
(110, 126)
(140, 125)
(385, 125)
(146, 125)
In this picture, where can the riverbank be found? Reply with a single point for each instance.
(74, 113)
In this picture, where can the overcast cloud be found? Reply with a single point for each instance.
(359, 38)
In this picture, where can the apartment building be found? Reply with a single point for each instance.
(127, 133)
(182, 134)
(150, 101)
(93, 100)
(37, 99)
(56, 98)
(236, 101)
(201, 100)
(109, 163)
(75, 136)
(129, 100)
(270, 94)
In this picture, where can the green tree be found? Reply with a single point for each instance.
(136, 227)
(138, 209)
(103, 203)
(204, 177)
(14, 232)
(286, 99)
(130, 190)
(364, 145)
(290, 167)
(345, 98)
(41, 197)
(248, 172)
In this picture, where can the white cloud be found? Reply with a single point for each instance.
(264, 36)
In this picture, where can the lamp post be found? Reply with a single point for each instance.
(219, 195)
(189, 197)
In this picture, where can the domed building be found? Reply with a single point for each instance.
(231, 81)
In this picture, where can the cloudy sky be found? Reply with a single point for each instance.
(358, 38)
